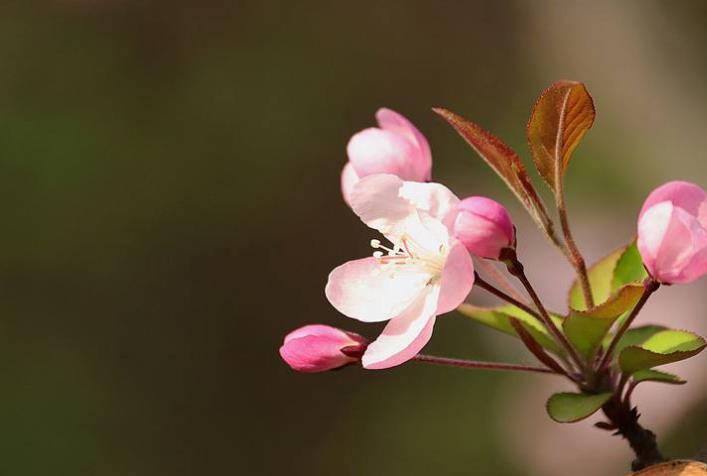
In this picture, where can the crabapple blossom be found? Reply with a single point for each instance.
(395, 147)
(672, 232)
(316, 348)
(484, 226)
(423, 273)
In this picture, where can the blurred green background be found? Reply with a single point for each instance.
(171, 208)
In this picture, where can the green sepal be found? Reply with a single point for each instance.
(499, 318)
(572, 407)
(586, 329)
(661, 348)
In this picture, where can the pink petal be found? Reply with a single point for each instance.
(672, 243)
(375, 151)
(457, 279)
(364, 289)
(405, 335)
(349, 179)
(318, 330)
(392, 121)
(315, 353)
(484, 226)
(688, 196)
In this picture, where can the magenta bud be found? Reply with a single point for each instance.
(484, 227)
(317, 348)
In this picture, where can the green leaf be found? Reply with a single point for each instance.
(650, 375)
(635, 336)
(661, 348)
(623, 266)
(499, 318)
(586, 329)
(629, 268)
(572, 407)
(600, 275)
(563, 113)
(504, 161)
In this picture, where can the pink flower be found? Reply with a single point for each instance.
(316, 348)
(484, 226)
(672, 234)
(425, 271)
(396, 148)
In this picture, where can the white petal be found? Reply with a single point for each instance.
(405, 335)
(433, 198)
(368, 291)
(376, 200)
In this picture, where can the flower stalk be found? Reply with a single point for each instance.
(649, 287)
(515, 267)
(476, 364)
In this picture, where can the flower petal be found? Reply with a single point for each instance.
(376, 200)
(405, 335)
(672, 243)
(457, 279)
(376, 151)
(314, 353)
(433, 198)
(688, 196)
(318, 330)
(390, 120)
(368, 291)
(349, 179)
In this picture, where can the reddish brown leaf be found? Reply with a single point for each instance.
(561, 116)
(504, 161)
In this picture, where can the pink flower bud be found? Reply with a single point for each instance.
(672, 232)
(396, 148)
(483, 226)
(316, 348)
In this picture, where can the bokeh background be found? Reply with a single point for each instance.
(170, 209)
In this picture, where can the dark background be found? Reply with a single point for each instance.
(170, 209)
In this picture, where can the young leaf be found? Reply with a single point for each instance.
(650, 375)
(661, 348)
(629, 268)
(572, 407)
(635, 336)
(586, 329)
(504, 161)
(499, 318)
(623, 266)
(600, 275)
(563, 113)
(533, 346)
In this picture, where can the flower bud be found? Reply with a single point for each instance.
(483, 226)
(672, 233)
(396, 148)
(316, 348)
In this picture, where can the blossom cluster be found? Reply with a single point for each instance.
(426, 267)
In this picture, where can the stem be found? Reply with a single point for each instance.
(500, 294)
(475, 364)
(571, 250)
(649, 287)
(515, 267)
(642, 441)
